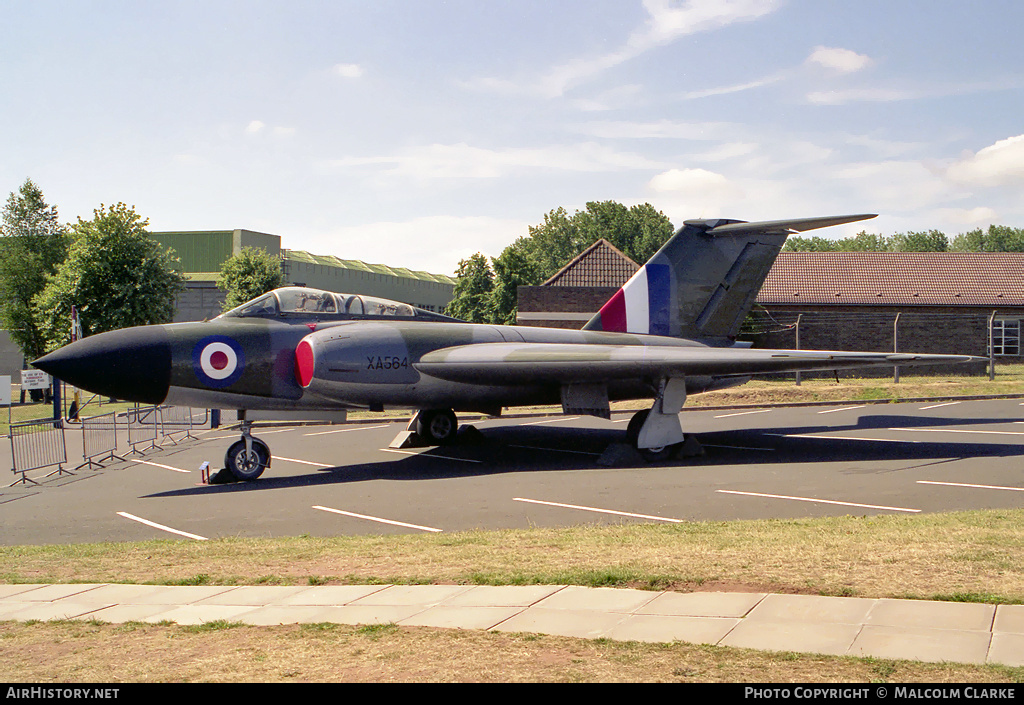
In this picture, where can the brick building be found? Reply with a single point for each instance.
(575, 293)
(926, 302)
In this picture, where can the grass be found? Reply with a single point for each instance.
(965, 556)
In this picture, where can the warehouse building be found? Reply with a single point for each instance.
(203, 252)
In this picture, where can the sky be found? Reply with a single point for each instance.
(416, 133)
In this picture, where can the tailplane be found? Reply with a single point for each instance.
(702, 283)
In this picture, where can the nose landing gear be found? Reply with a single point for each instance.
(247, 457)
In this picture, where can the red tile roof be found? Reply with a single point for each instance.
(601, 264)
(896, 278)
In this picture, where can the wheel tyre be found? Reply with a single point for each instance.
(651, 455)
(438, 426)
(654, 455)
(633, 428)
(247, 466)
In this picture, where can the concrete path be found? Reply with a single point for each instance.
(842, 626)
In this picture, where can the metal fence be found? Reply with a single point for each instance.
(143, 423)
(42, 443)
(38, 444)
(99, 436)
(179, 421)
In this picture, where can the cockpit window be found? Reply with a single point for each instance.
(294, 301)
(354, 306)
(383, 307)
(265, 305)
(306, 301)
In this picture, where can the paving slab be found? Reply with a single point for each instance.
(448, 617)
(834, 639)
(46, 611)
(286, 614)
(370, 614)
(331, 595)
(254, 596)
(8, 591)
(1009, 619)
(200, 614)
(1007, 649)
(922, 644)
(582, 624)
(811, 609)
(932, 615)
(423, 595)
(502, 595)
(703, 604)
(119, 614)
(58, 591)
(179, 594)
(574, 597)
(666, 628)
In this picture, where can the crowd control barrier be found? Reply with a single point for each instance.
(38, 444)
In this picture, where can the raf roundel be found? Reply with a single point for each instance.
(218, 361)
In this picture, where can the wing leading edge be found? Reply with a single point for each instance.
(516, 363)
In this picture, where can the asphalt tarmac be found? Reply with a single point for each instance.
(780, 462)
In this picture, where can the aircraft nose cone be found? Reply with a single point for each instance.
(132, 364)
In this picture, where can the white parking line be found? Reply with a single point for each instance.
(842, 438)
(346, 430)
(965, 484)
(743, 413)
(957, 430)
(377, 519)
(304, 462)
(538, 423)
(126, 515)
(555, 450)
(822, 501)
(936, 406)
(159, 465)
(843, 408)
(424, 454)
(599, 511)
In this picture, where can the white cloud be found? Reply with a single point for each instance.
(465, 161)
(862, 95)
(695, 192)
(432, 243)
(662, 129)
(981, 215)
(996, 165)
(666, 21)
(348, 70)
(841, 60)
(254, 127)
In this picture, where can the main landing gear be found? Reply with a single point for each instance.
(248, 457)
(435, 426)
(655, 433)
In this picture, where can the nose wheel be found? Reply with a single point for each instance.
(437, 426)
(247, 457)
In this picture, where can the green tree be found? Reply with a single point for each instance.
(248, 274)
(473, 287)
(512, 269)
(33, 244)
(998, 238)
(931, 241)
(114, 273)
(638, 232)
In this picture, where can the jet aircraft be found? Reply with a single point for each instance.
(668, 332)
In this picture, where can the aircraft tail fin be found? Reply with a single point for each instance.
(702, 283)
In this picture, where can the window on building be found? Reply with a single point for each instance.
(1006, 336)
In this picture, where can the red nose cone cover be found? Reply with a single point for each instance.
(304, 363)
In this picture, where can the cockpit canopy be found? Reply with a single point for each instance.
(297, 301)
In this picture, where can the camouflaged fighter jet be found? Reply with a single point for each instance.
(668, 332)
